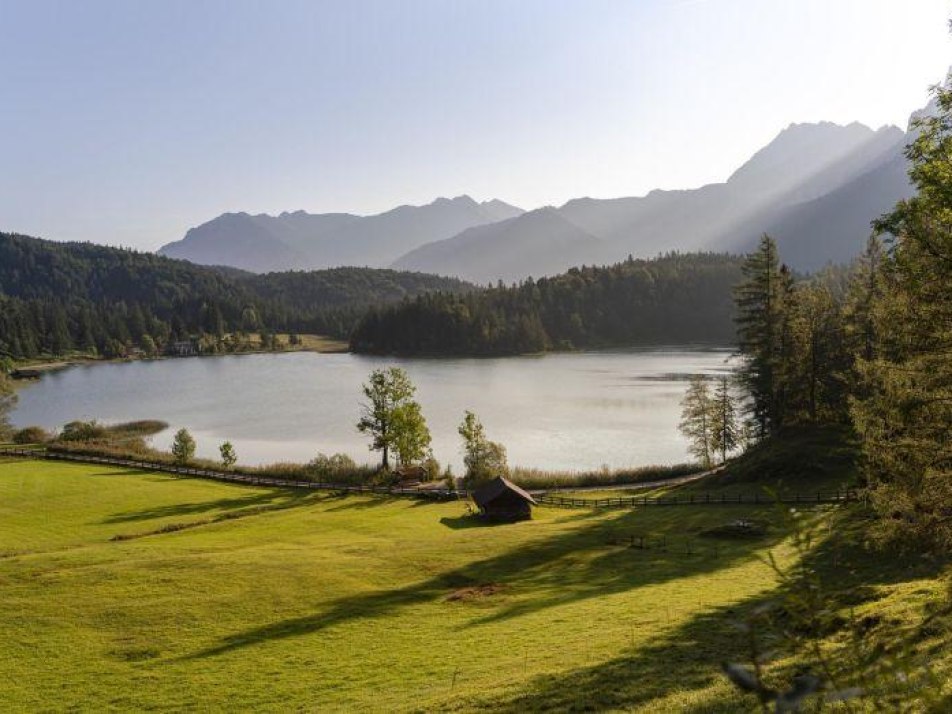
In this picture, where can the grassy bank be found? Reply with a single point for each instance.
(225, 597)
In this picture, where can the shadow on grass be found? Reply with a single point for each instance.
(350, 502)
(458, 523)
(267, 498)
(570, 567)
(689, 657)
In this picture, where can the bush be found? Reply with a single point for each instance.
(82, 431)
(32, 435)
(332, 467)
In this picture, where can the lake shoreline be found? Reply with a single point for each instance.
(55, 364)
(565, 412)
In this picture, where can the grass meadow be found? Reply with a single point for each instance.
(123, 590)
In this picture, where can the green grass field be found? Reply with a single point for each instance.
(223, 597)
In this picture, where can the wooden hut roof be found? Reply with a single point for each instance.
(490, 491)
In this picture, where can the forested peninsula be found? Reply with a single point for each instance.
(673, 299)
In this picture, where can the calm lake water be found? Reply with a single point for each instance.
(561, 411)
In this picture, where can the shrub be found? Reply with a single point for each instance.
(32, 435)
(331, 467)
(82, 431)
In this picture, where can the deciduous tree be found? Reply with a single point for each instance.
(484, 459)
(8, 400)
(387, 412)
(228, 455)
(183, 446)
(697, 423)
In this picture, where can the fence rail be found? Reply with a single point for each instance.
(700, 499)
(254, 480)
(542, 499)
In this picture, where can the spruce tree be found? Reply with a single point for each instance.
(760, 321)
(725, 436)
(904, 411)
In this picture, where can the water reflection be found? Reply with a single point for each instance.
(561, 411)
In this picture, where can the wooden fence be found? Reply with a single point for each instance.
(543, 499)
(699, 499)
(254, 480)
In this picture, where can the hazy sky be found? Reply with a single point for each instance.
(126, 122)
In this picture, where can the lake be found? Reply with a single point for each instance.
(568, 411)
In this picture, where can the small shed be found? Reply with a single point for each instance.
(501, 500)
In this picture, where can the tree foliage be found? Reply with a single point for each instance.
(673, 299)
(183, 447)
(760, 334)
(871, 345)
(484, 459)
(725, 434)
(903, 410)
(8, 400)
(697, 420)
(392, 418)
(57, 298)
(228, 455)
(411, 436)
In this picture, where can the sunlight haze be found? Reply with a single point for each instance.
(128, 123)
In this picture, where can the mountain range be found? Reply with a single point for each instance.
(815, 188)
(304, 241)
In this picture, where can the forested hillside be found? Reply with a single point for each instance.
(673, 299)
(61, 297)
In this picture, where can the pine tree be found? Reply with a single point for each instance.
(816, 370)
(864, 292)
(904, 411)
(760, 333)
(725, 435)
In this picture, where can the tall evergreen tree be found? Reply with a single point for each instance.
(816, 369)
(864, 292)
(760, 322)
(725, 436)
(904, 413)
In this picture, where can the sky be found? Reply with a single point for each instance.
(128, 122)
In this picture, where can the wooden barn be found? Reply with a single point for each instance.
(501, 500)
